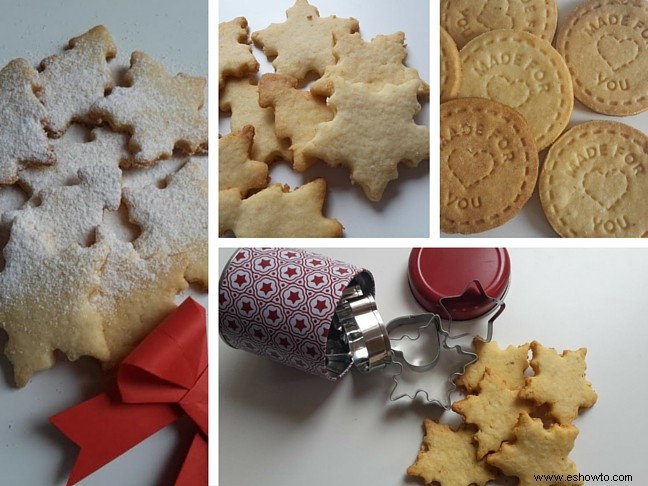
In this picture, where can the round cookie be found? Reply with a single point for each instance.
(524, 72)
(594, 182)
(605, 45)
(466, 19)
(450, 67)
(488, 164)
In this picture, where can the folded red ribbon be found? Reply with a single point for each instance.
(162, 379)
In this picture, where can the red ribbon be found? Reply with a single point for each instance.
(164, 378)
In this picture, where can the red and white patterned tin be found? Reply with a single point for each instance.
(280, 303)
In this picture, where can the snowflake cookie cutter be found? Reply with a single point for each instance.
(464, 355)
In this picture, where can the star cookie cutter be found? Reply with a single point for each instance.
(450, 357)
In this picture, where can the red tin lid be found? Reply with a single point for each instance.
(435, 273)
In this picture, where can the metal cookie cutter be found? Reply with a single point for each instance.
(451, 356)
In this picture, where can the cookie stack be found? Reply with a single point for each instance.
(516, 423)
(591, 182)
(358, 113)
(103, 218)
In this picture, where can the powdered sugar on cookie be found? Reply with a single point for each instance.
(22, 137)
(73, 81)
(161, 112)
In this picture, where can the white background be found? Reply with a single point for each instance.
(32, 452)
(531, 221)
(279, 426)
(404, 208)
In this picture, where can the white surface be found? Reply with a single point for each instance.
(404, 208)
(531, 221)
(32, 452)
(281, 426)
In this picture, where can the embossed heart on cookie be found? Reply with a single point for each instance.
(513, 93)
(606, 188)
(495, 15)
(617, 52)
(471, 167)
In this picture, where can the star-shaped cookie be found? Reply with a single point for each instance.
(494, 410)
(135, 293)
(161, 112)
(173, 219)
(46, 302)
(297, 113)
(235, 56)
(448, 457)
(235, 167)
(276, 213)
(559, 382)
(537, 450)
(73, 81)
(371, 133)
(508, 364)
(314, 49)
(22, 117)
(241, 98)
(377, 63)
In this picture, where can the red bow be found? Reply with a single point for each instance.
(161, 380)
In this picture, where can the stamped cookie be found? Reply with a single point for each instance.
(297, 113)
(605, 45)
(489, 164)
(22, 117)
(448, 457)
(304, 42)
(559, 382)
(235, 168)
(372, 133)
(594, 182)
(538, 449)
(235, 56)
(377, 63)
(161, 112)
(73, 81)
(466, 19)
(241, 98)
(275, 212)
(450, 67)
(524, 72)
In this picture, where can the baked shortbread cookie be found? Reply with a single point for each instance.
(235, 58)
(161, 112)
(448, 457)
(22, 118)
(71, 82)
(173, 219)
(371, 133)
(297, 113)
(376, 63)
(135, 293)
(537, 448)
(241, 98)
(275, 212)
(235, 167)
(304, 42)
(46, 302)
